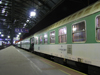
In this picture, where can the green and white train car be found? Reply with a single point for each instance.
(18, 44)
(27, 43)
(75, 38)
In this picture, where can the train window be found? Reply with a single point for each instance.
(37, 40)
(45, 38)
(52, 37)
(62, 35)
(40, 39)
(98, 27)
(78, 32)
(32, 40)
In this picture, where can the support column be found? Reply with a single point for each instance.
(12, 19)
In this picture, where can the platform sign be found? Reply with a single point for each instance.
(21, 30)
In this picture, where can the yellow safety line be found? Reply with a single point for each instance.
(47, 63)
(64, 72)
(53, 66)
(64, 66)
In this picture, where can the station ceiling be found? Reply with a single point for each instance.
(15, 13)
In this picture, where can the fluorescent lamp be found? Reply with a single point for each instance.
(19, 33)
(8, 36)
(0, 2)
(27, 21)
(25, 24)
(2, 35)
(32, 14)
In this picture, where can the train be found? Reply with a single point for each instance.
(74, 40)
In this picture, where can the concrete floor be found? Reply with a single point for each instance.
(19, 62)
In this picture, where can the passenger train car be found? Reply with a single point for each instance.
(74, 39)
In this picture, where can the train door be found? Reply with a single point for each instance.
(20, 44)
(32, 44)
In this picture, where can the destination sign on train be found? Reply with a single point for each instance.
(22, 30)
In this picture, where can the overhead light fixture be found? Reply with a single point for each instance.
(2, 35)
(0, 1)
(27, 21)
(8, 36)
(3, 10)
(6, 3)
(19, 33)
(0, 32)
(25, 24)
(33, 13)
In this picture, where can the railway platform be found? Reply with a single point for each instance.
(15, 61)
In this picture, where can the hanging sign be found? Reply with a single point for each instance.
(21, 30)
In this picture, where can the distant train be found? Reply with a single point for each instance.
(74, 40)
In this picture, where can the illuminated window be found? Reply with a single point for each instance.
(98, 27)
(62, 35)
(45, 38)
(32, 40)
(40, 40)
(78, 32)
(36, 41)
(52, 37)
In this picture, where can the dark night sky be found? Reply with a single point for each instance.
(65, 9)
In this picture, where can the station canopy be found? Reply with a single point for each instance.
(34, 14)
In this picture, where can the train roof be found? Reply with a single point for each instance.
(80, 14)
(28, 37)
(31, 36)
